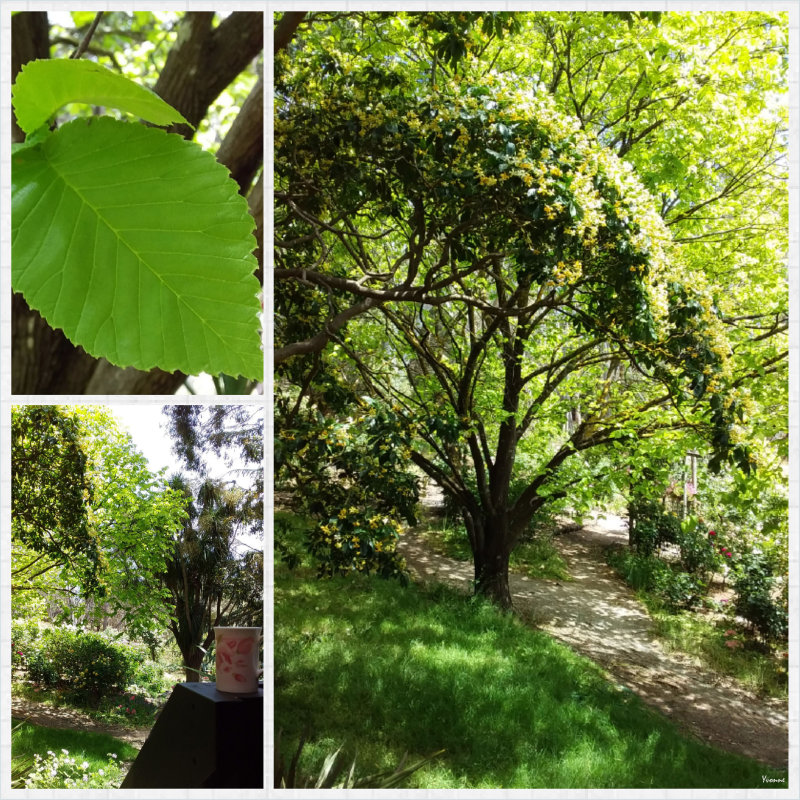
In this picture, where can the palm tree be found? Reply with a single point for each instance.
(209, 581)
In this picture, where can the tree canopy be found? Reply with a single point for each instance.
(547, 240)
(89, 518)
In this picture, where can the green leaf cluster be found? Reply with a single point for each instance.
(134, 242)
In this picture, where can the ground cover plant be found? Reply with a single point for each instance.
(431, 670)
(88, 759)
(710, 633)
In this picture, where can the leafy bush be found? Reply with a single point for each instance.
(85, 662)
(41, 669)
(652, 526)
(675, 589)
(680, 590)
(24, 634)
(755, 587)
(700, 551)
(149, 677)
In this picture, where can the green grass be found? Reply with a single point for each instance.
(28, 739)
(705, 639)
(536, 558)
(686, 632)
(384, 670)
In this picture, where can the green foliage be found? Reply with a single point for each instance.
(331, 776)
(43, 87)
(97, 254)
(674, 588)
(356, 486)
(702, 552)
(430, 670)
(51, 491)
(651, 526)
(85, 662)
(24, 634)
(756, 599)
(40, 668)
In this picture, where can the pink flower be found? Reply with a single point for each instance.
(724, 600)
(733, 644)
(712, 533)
(728, 554)
(730, 633)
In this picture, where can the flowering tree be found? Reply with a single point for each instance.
(486, 264)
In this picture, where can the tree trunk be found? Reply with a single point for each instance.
(491, 552)
(191, 664)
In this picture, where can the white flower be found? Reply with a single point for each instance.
(84, 765)
(65, 752)
(101, 772)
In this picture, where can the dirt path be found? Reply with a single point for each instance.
(597, 615)
(49, 717)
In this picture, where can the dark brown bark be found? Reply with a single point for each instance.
(491, 554)
(204, 61)
(191, 664)
(242, 149)
(286, 28)
(211, 58)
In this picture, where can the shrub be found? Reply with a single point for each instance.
(755, 601)
(85, 662)
(652, 526)
(679, 590)
(675, 589)
(149, 677)
(41, 669)
(24, 635)
(699, 548)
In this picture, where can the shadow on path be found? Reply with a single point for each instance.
(597, 615)
(50, 717)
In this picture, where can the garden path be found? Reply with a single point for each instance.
(597, 614)
(51, 717)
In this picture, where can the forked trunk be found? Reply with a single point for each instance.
(491, 553)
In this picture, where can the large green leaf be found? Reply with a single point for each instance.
(138, 246)
(44, 86)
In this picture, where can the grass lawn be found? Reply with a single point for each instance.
(27, 740)
(384, 670)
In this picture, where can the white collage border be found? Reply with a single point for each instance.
(6, 398)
